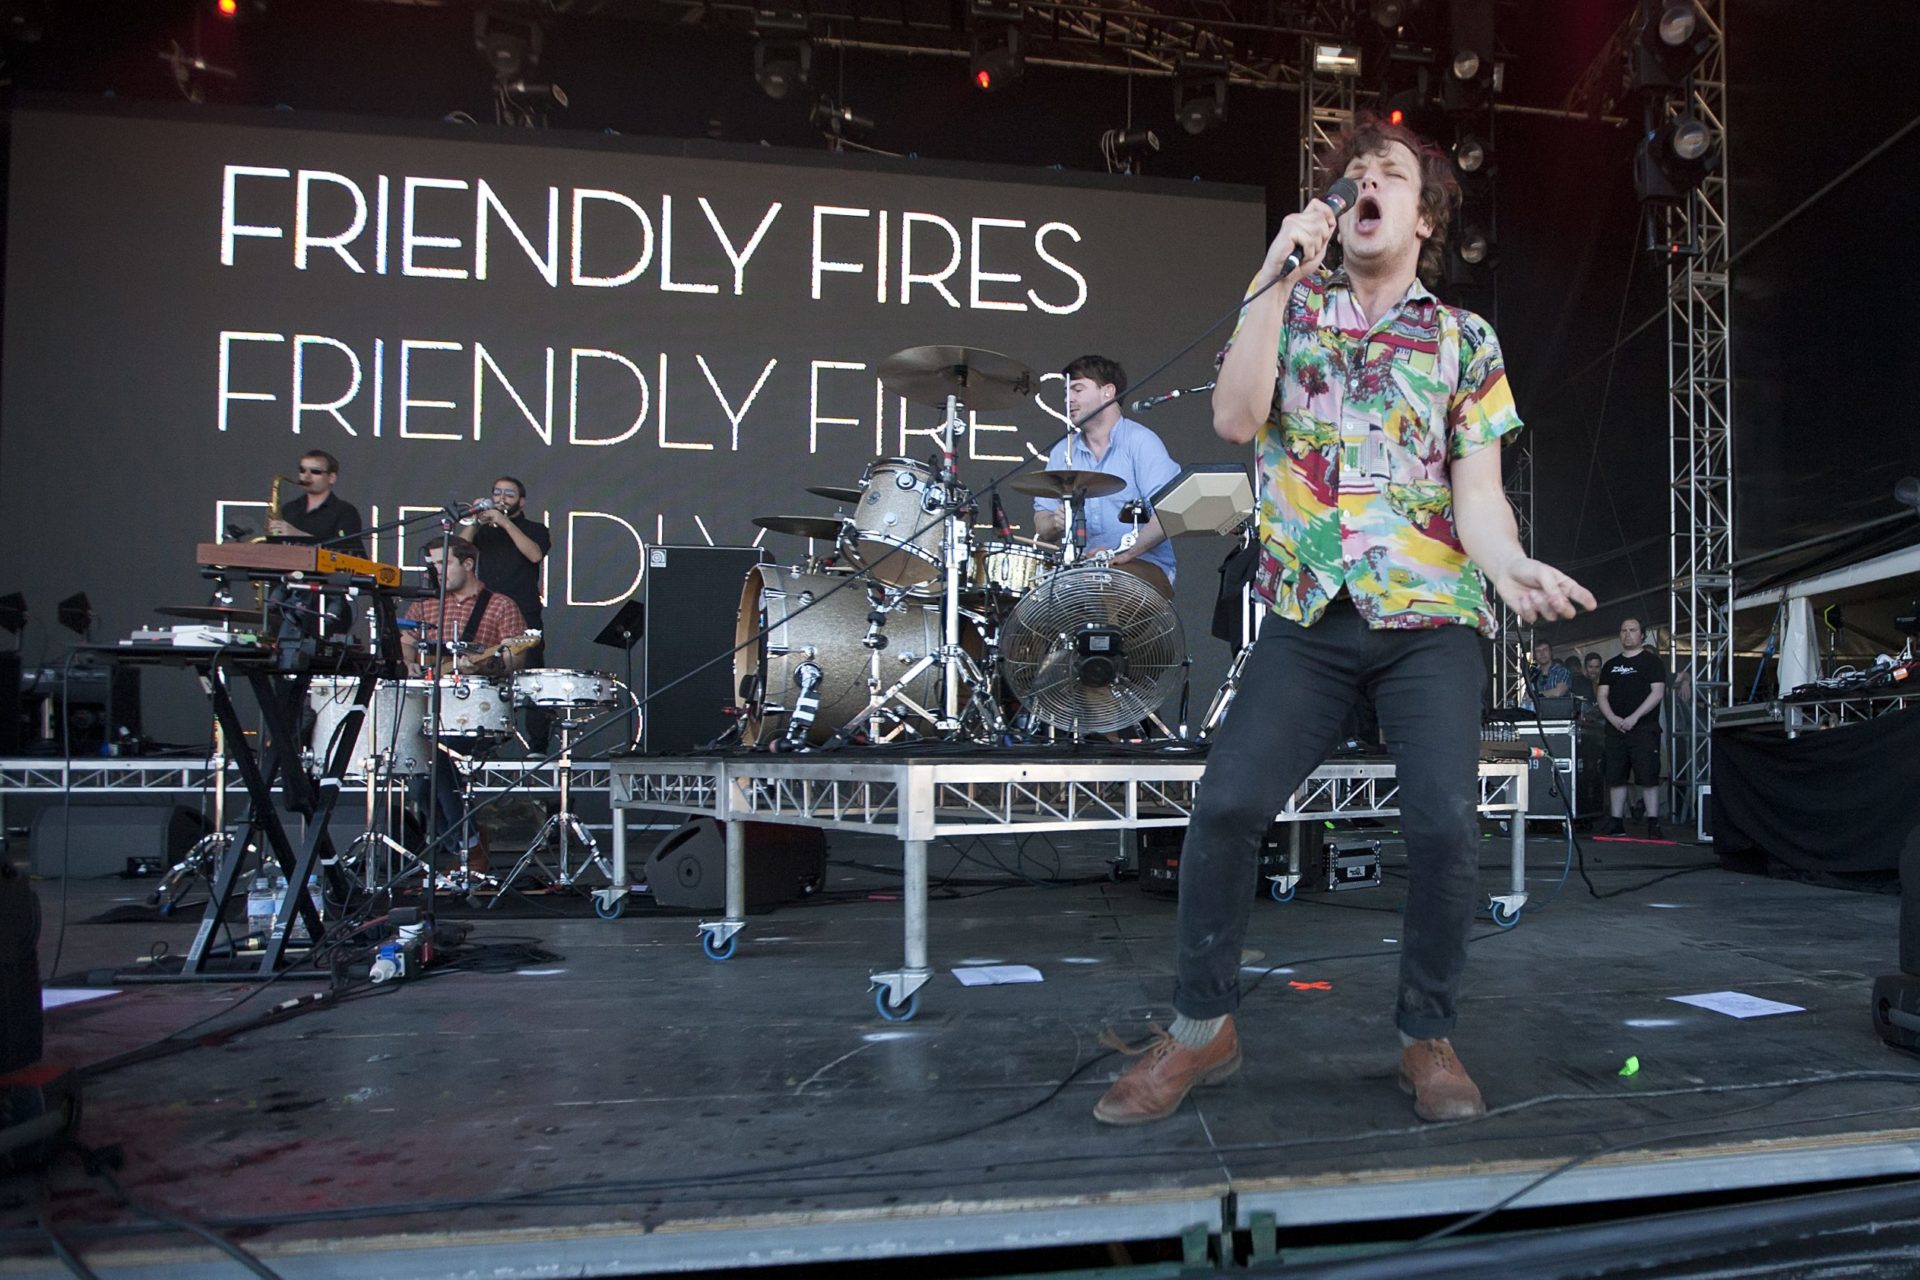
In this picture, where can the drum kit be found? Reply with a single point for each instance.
(917, 623)
(395, 742)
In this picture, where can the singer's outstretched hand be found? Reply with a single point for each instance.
(1537, 592)
(1311, 230)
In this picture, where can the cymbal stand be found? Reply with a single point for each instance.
(564, 823)
(463, 879)
(375, 860)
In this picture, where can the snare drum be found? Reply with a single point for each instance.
(474, 707)
(1013, 568)
(556, 688)
(394, 723)
(897, 528)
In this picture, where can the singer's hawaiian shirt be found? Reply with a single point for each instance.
(1354, 484)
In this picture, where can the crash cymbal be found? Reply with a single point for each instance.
(839, 493)
(802, 526)
(981, 379)
(229, 614)
(1062, 484)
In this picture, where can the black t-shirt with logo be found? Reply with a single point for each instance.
(503, 568)
(1628, 681)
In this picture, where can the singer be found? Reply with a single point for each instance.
(1116, 444)
(1375, 412)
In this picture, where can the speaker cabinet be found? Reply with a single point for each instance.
(19, 971)
(692, 596)
(688, 868)
(102, 838)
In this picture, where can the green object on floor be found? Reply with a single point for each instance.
(1632, 1067)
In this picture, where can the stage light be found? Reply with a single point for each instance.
(1470, 154)
(1673, 159)
(782, 53)
(1670, 42)
(839, 120)
(1474, 246)
(999, 55)
(507, 45)
(1466, 64)
(1467, 85)
(1336, 60)
(226, 8)
(1397, 117)
(1389, 13)
(1199, 93)
(76, 613)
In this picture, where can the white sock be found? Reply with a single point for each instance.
(1195, 1033)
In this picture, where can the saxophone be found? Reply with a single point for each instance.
(273, 502)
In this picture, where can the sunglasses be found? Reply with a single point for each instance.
(509, 492)
(313, 471)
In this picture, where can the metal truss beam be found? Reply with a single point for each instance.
(1700, 438)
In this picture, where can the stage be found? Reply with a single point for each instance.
(624, 1104)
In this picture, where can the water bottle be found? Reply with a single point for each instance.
(261, 906)
(297, 928)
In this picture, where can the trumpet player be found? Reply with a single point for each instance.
(316, 513)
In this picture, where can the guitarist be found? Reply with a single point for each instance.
(478, 617)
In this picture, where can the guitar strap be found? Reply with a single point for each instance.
(480, 603)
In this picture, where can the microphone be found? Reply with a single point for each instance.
(1339, 197)
(1906, 491)
(1154, 402)
(1001, 525)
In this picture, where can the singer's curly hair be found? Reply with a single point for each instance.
(1439, 189)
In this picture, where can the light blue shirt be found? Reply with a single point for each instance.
(1135, 454)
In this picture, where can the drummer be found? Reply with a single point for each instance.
(479, 618)
(1119, 446)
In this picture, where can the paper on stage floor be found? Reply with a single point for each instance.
(1738, 1004)
(54, 997)
(993, 975)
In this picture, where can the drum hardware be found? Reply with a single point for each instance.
(204, 857)
(806, 706)
(839, 493)
(563, 824)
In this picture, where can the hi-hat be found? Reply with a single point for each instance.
(1067, 484)
(802, 526)
(980, 379)
(839, 493)
(229, 614)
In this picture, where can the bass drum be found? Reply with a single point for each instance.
(828, 634)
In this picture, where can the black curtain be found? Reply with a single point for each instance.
(1832, 807)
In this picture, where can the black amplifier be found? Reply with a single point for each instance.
(1156, 854)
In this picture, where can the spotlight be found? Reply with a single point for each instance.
(507, 45)
(1670, 42)
(76, 613)
(1673, 159)
(1390, 13)
(1199, 93)
(1474, 246)
(1341, 60)
(782, 53)
(999, 55)
(1466, 65)
(1467, 85)
(226, 8)
(1470, 154)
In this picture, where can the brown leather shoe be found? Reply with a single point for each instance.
(1154, 1087)
(1441, 1087)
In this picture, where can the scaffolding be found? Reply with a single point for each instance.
(1700, 445)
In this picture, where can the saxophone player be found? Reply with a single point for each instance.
(316, 513)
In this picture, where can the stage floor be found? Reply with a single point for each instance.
(631, 1106)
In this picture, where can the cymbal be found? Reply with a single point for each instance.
(802, 526)
(839, 493)
(981, 379)
(212, 613)
(1063, 484)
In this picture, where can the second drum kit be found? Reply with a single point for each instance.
(907, 620)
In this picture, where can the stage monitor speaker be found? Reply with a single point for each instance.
(104, 839)
(688, 868)
(13, 716)
(20, 1027)
(692, 596)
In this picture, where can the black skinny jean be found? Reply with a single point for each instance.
(1296, 690)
